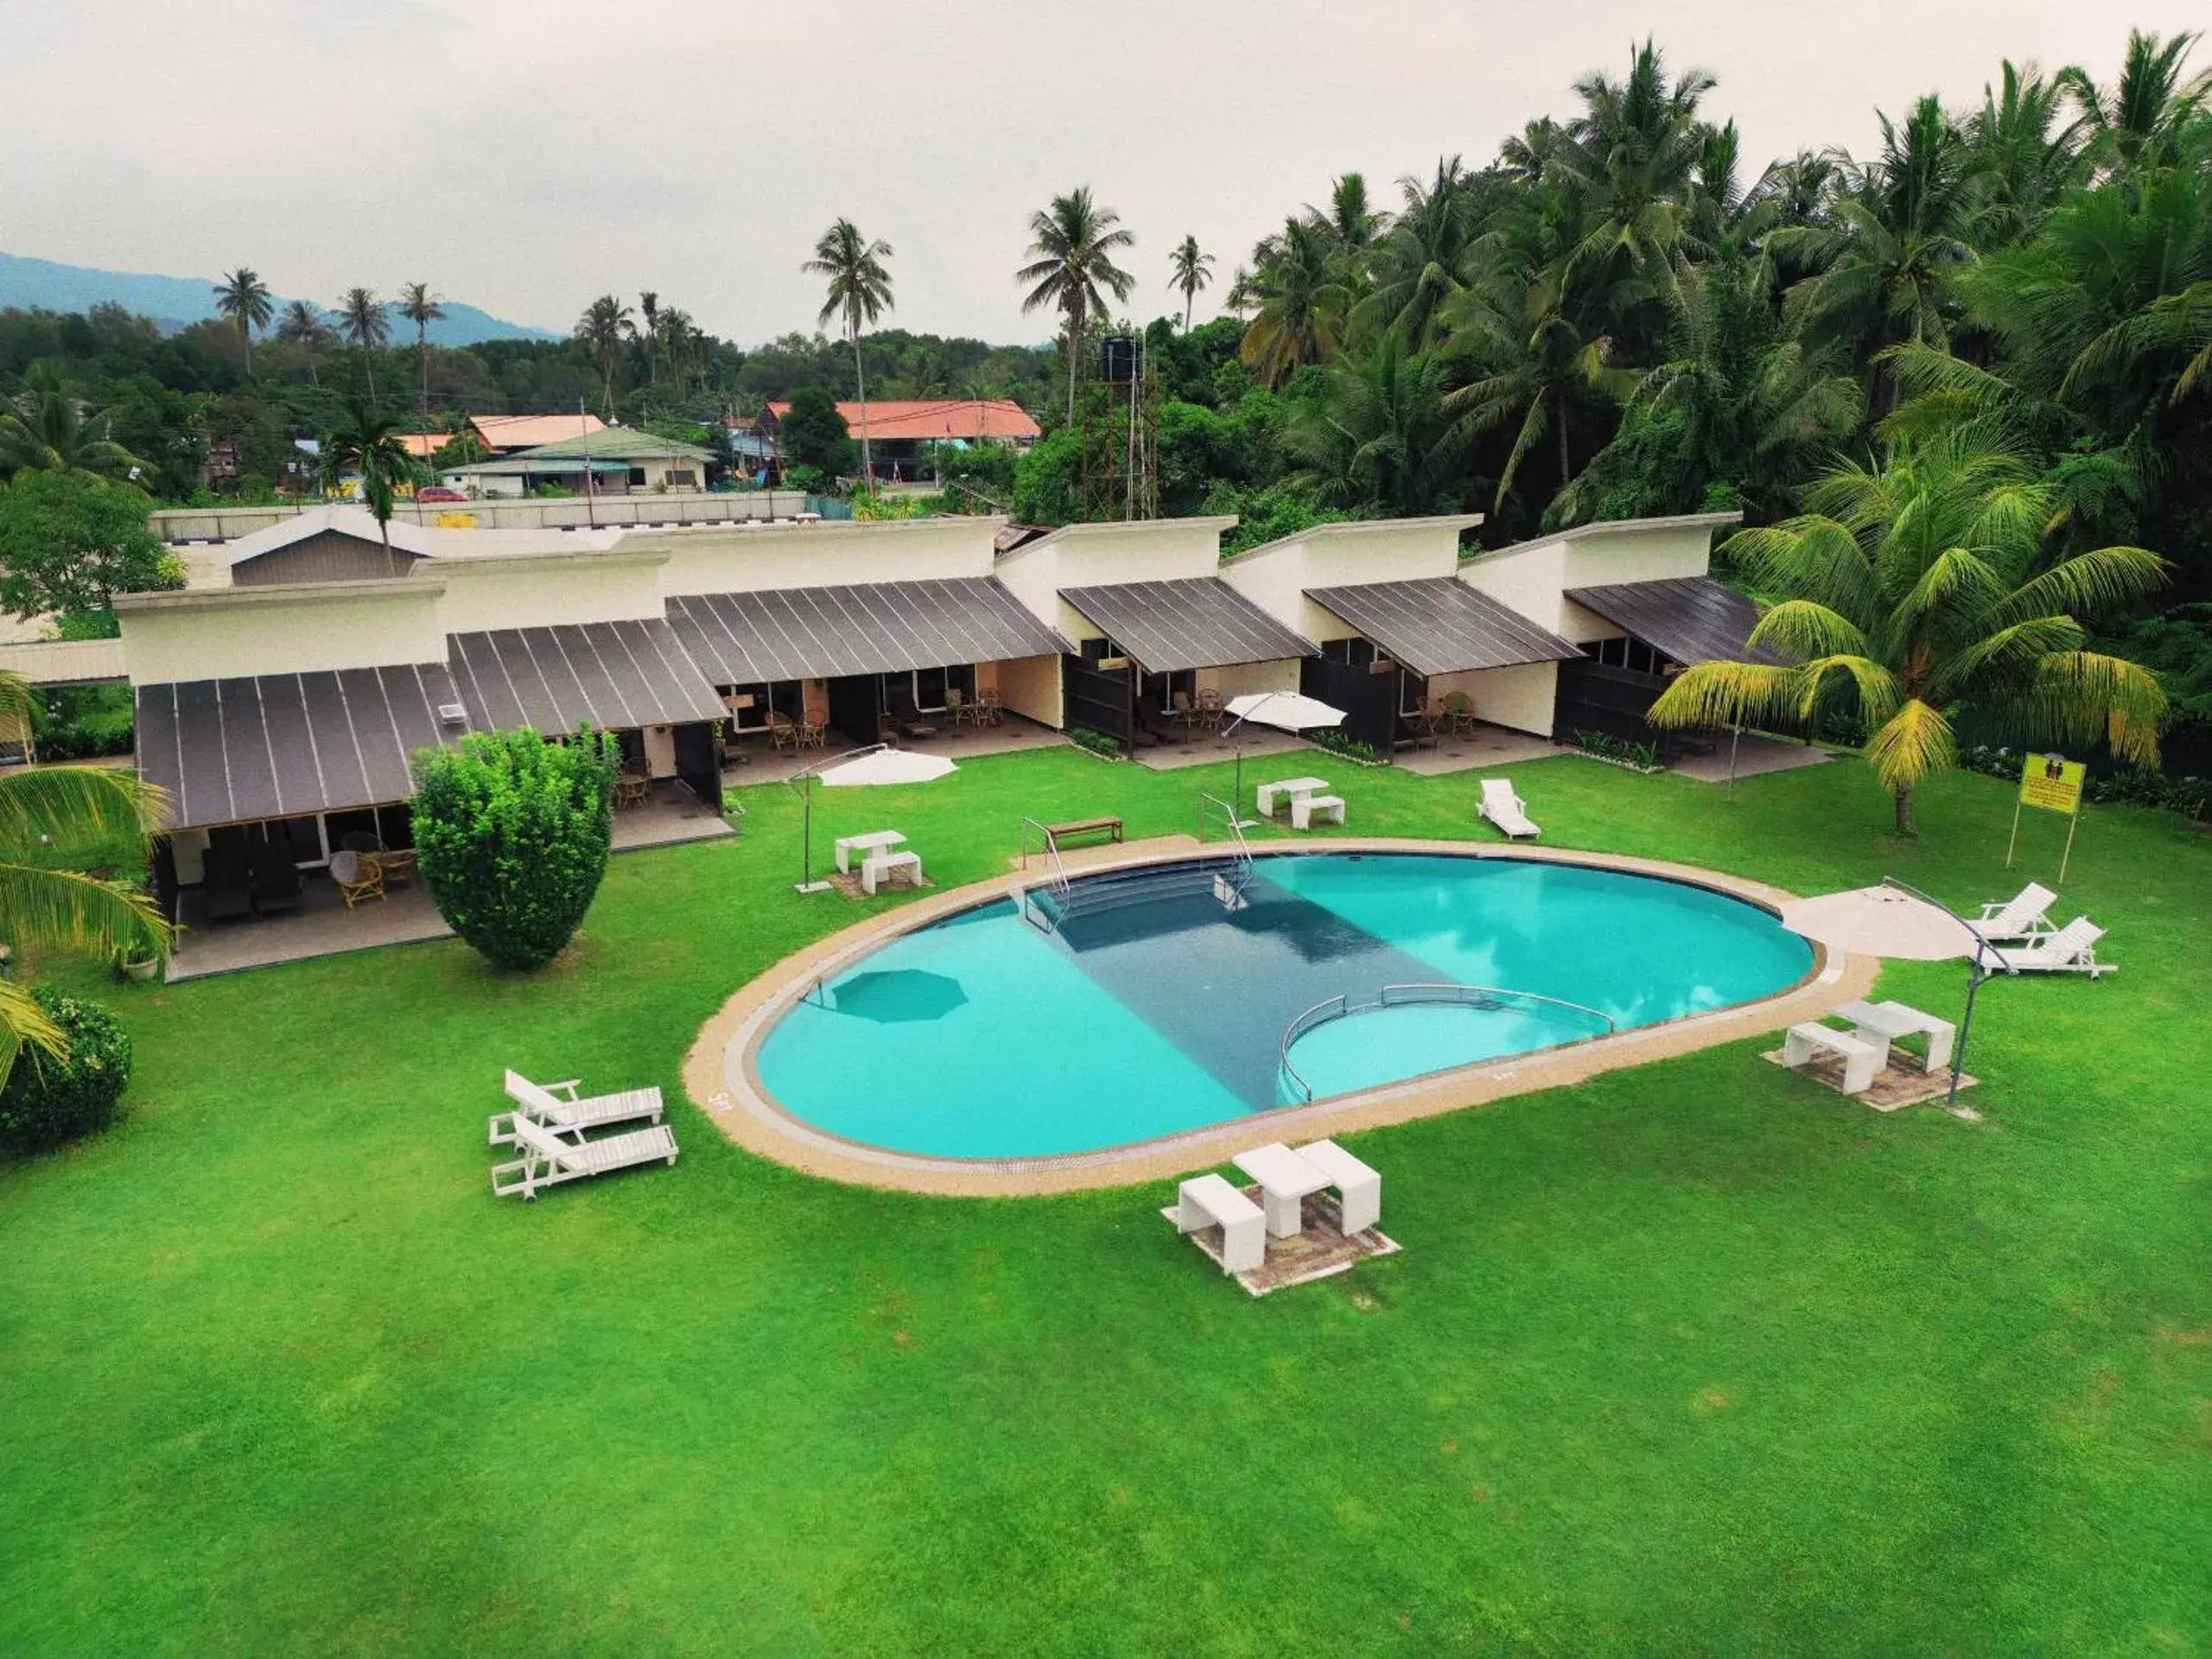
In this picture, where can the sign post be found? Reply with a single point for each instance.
(2053, 783)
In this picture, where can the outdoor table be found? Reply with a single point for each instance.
(1290, 788)
(1286, 1181)
(847, 845)
(1884, 1022)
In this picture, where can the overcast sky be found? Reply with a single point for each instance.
(526, 155)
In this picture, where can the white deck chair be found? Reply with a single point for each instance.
(543, 1103)
(547, 1160)
(2071, 949)
(2023, 916)
(1505, 809)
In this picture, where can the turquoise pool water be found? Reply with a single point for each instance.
(1145, 1002)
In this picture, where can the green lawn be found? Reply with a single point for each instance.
(1695, 1359)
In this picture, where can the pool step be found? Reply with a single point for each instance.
(1224, 878)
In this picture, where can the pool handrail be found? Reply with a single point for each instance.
(1336, 1007)
(1236, 828)
(1052, 850)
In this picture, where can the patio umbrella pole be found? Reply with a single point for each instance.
(1975, 974)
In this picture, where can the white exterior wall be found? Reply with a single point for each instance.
(1522, 696)
(1030, 686)
(1239, 679)
(543, 593)
(1276, 577)
(751, 559)
(1529, 579)
(1533, 577)
(220, 633)
(1100, 555)
(1652, 552)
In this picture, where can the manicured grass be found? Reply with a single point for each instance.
(1695, 1359)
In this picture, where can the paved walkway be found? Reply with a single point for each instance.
(751, 761)
(1486, 746)
(1754, 756)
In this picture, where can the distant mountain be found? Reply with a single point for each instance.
(175, 301)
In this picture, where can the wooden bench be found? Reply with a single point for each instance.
(1059, 832)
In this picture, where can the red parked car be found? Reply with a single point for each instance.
(439, 492)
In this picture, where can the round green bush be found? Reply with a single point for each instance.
(45, 1102)
(512, 835)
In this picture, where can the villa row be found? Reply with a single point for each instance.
(281, 697)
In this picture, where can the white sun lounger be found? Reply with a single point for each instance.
(547, 1160)
(2071, 949)
(1358, 1187)
(1506, 809)
(555, 1106)
(2023, 916)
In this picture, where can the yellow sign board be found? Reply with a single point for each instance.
(2052, 782)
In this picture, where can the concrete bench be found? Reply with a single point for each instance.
(1110, 827)
(1358, 1187)
(1210, 1201)
(1861, 1060)
(880, 863)
(1304, 809)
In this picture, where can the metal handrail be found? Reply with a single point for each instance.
(1235, 830)
(1336, 1007)
(1052, 850)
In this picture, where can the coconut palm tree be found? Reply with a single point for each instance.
(1073, 244)
(1299, 301)
(1921, 587)
(302, 326)
(420, 306)
(2141, 123)
(1192, 272)
(367, 441)
(48, 430)
(2025, 155)
(1429, 255)
(649, 310)
(1351, 218)
(1635, 153)
(859, 292)
(244, 298)
(44, 809)
(364, 323)
(1381, 440)
(604, 327)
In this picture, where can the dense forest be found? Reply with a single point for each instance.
(1618, 315)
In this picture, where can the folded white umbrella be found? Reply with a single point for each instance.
(1881, 922)
(1289, 711)
(887, 766)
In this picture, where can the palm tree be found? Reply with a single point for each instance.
(362, 320)
(420, 306)
(244, 298)
(603, 328)
(1349, 217)
(859, 292)
(2026, 159)
(1300, 303)
(1635, 152)
(1192, 272)
(681, 343)
(1381, 440)
(2142, 122)
(43, 809)
(1073, 244)
(367, 441)
(302, 326)
(48, 430)
(1920, 588)
(1429, 255)
(649, 309)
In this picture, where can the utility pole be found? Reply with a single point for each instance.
(583, 436)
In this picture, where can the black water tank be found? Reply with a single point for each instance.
(1119, 352)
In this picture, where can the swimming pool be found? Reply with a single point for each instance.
(1146, 1002)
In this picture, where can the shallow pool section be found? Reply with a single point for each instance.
(1140, 1003)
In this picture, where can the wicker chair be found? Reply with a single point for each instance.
(359, 876)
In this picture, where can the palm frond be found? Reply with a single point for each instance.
(69, 911)
(1956, 577)
(2079, 696)
(1911, 744)
(2087, 584)
(75, 803)
(1727, 693)
(1877, 687)
(1800, 628)
(23, 1023)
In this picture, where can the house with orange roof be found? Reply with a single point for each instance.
(508, 434)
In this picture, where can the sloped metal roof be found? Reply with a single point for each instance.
(1197, 622)
(607, 674)
(278, 745)
(64, 661)
(1440, 626)
(884, 627)
(1689, 619)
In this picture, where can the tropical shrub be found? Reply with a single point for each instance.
(49, 1098)
(1352, 748)
(813, 434)
(1097, 742)
(512, 834)
(1644, 757)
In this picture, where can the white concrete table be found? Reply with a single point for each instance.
(1291, 788)
(1884, 1022)
(1287, 1181)
(878, 841)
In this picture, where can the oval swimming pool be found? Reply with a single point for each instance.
(1145, 1002)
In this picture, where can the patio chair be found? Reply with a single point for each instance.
(1460, 712)
(1208, 709)
(2024, 915)
(783, 733)
(957, 710)
(359, 876)
(988, 710)
(555, 1106)
(548, 1159)
(275, 879)
(1182, 710)
(1505, 809)
(2071, 949)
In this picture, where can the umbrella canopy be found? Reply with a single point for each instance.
(1287, 710)
(1881, 922)
(899, 995)
(887, 766)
